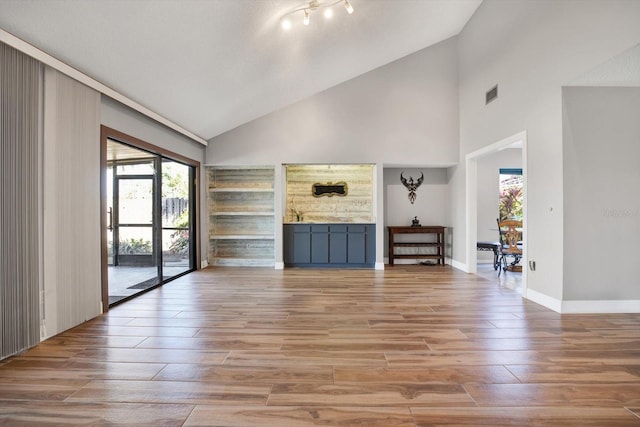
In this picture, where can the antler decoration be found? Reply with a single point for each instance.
(411, 186)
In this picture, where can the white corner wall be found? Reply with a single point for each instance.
(531, 49)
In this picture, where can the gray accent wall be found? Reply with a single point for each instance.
(120, 117)
(601, 159)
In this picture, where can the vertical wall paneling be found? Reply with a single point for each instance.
(355, 207)
(20, 80)
(71, 162)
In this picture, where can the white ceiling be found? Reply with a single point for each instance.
(212, 65)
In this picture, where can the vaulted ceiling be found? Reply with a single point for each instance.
(212, 65)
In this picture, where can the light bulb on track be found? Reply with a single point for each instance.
(307, 9)
(348, 7)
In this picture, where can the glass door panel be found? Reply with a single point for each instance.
(133, 259)
(135, 201)
(176, 222)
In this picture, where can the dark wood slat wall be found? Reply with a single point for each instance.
(410, 346)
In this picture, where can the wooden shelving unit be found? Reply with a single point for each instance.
(241, 216)
(435, 247)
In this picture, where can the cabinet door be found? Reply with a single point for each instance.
(370, 245)
(301, 247)
(319, 246)
(357, 247)
(338, 246)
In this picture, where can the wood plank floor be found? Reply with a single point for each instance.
(408, 346)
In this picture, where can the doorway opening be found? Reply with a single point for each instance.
(150, 235)
(477, 220)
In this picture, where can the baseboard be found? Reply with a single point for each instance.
(204, 264)
(544, 300)
(601, 306)
(459, 265)
(379, 266)
(279, 266)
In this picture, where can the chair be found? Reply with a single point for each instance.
(511, 244)
(493, 247)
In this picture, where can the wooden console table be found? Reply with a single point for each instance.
(438, 245)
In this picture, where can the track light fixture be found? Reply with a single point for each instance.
(313, 6)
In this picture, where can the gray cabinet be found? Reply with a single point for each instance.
(330, 245)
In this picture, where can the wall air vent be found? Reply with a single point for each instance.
(491, 94)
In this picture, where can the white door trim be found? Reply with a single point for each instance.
(471, 167)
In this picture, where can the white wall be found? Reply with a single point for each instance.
(602, 187)
(488, 173)
(531, 49)
(405, 112)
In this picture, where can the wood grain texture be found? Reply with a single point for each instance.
(408, 346)
(355, 207)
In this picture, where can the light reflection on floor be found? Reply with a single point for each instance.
(127, 281)
(508, 279)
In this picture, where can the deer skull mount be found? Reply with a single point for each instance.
(411, 185)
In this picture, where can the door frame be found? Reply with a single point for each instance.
(155, 217)
(471, 164)
(107, 133)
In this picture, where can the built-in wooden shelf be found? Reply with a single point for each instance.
(241, 215)
(240, 190)
(242, 236)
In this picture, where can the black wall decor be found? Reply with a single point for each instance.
(411, 185)
(330, 189)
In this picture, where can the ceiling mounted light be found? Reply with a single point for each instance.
(348, 7)
(313, 6)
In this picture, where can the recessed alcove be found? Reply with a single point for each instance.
(305, 205)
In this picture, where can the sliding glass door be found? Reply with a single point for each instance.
(149, 220)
